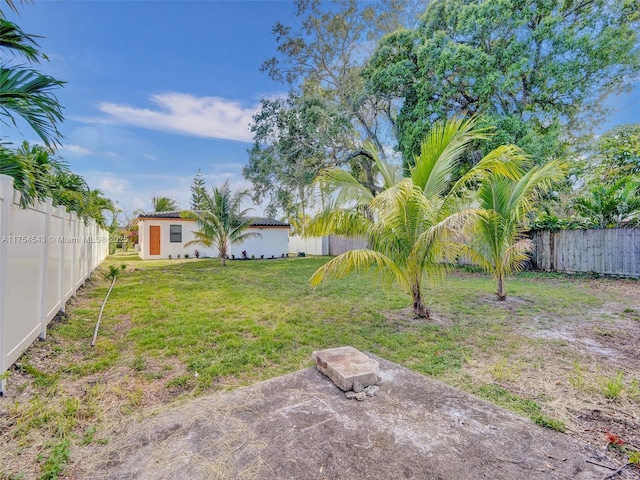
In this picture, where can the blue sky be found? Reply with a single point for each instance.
(157, 89)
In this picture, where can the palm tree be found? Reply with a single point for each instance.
(38, 174)
(221, 223)
(163, 204)
(496, 239)
(411, 224)
(611, 205)
(96, 207)
(20, 169)
(25, 92)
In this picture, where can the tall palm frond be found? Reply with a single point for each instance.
(29, 94)
(13, 38)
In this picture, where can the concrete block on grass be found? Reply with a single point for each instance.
(346, 366)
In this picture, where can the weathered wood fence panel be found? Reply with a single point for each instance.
(339, 244)
(611, 251)
(46, 253)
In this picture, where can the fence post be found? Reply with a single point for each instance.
(6, 201)
(74, 239)
(62, 213)
(44, 269)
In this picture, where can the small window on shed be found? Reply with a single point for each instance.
(175, 233)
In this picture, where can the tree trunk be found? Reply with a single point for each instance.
(502, 294)
(223, 260)
(419, 308)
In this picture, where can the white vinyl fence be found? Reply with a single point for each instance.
(46, 254)
(308, 245)
(609, 251)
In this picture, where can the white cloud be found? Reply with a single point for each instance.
(133, 191)
(76, 150)
(185, 114)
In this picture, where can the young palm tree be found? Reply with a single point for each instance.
(410, 225)
(611, 205)
(496, 240)
(221, 223)
(163, 204)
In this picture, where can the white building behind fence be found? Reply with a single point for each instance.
(46, 254)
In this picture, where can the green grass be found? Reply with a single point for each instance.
(189, 326)
(254, 320)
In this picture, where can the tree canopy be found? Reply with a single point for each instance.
(329, 114)
(37, 174)
(536, 69)
(294, 138)
(617, 152)
(163, 204)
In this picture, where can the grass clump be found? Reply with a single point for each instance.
(612, 387)
(54, 463)
(524, 406)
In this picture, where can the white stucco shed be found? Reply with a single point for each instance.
(166, 233)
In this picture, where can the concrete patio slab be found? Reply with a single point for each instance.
(301, 426)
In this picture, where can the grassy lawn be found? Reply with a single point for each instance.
(556, 351)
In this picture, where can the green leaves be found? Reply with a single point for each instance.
(38, 174)
(26, 92)
(495, 239)
(163, 204)
(612, 204)
(29, 94)
(531, 65)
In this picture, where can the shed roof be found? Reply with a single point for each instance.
(256, 221)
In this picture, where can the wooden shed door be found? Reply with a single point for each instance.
(154, 240)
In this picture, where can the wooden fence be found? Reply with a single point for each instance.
(339, 244)
(46, 254)
(611, 251)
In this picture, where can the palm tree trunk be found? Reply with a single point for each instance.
(223, 260)
(502, 294)
(419, 308)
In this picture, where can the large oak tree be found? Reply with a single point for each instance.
(537, 69)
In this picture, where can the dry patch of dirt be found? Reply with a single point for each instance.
(582, 369)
